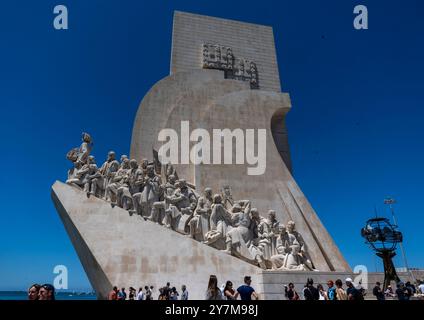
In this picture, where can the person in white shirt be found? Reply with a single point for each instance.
(421, 287)
(322, 293)
(140, 295)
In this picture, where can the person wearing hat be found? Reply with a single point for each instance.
(389, 292)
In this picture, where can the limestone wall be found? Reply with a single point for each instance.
(252, 41)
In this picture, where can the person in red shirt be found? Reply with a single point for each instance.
(113, 295)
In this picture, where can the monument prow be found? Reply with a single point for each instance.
(118, 249)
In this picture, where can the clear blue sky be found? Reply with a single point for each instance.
(355, 129)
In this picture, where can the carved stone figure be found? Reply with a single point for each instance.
(124, 197)
(143, 201)
(227, 196)
(144, 165)
(220, 223)
(124, 157)
(74, 175)
(207, 194)
(268, 232)
(93, 180)
(254, 245)
(242, 240)
(117, 182)
(108, 170)
(297, 257)
(159, 207)
(81, 154)
(135, 176)
(282, 248)
(181, 208)
(170, 171)
(199, 224)
(238, 236)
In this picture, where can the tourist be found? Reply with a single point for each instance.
(246, 291)
(163, 294)
(322, 293)
(352, 292)
(167, 290)
(229, 292)
(310, 292)
(331, 292)
(33, 291)
(389, 292)
(411, 289)
(290, 293)
(340, 292)
(122, 295)
(113, 295)
(46, 292)
(421, 287)
(401, 292)
(378, 292)
(184, 292)
(149, 293)
(361, 289)
(140, 294)
(132, 293)
(173, 295)
(213, 292)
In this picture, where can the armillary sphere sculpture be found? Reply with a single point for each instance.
(383, 237)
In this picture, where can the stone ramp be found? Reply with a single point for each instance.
(118, 249)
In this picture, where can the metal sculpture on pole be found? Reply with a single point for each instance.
(383, 237)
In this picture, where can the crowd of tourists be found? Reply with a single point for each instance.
(336, 290)
(213, 292)
(404, 291)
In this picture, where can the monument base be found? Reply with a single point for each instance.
(116, 248)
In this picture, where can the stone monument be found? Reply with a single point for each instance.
(140, 221)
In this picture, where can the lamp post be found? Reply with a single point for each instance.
(390, 201)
